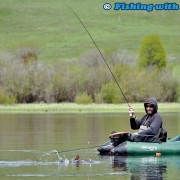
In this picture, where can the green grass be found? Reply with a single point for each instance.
(176, 70)
(52, 29)
(78, 108)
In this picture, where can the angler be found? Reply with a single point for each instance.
(150, 140)
(149, 124)
(119, 142)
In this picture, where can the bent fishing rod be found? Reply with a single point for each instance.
(99, 53)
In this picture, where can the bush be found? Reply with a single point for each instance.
(143, 84)
(98, 98)
(35, 82)
(83, 99)
(152, 53)
(6, 99)
(93, 73)
(111, 94)
(170, 87)
(121, 69)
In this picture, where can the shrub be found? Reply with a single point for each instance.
(91, 59)
(27, 55)
(121, 69)
(170, 87)
(143, 84)
(36, 82)
(83, 99)
(152, 53)
(111, 94)
(6, 99)
(98, 98)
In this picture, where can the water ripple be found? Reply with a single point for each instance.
(25, 163)
(40, 163)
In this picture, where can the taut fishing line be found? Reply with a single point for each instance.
(71, 150)
(106, 65)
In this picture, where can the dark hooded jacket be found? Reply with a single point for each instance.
(153, 122)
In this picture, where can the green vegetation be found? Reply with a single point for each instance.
(6, 99)
(152, 53)
(89, 108)
(54, 32)
(46, 55)
(110, 93)
(35, 82)
(83, 99)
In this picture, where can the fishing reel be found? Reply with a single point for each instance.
(119, 137)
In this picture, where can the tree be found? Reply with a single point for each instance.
(152, 53)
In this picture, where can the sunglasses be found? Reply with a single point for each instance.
(149, 106)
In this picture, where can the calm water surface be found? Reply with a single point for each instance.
(29, 145)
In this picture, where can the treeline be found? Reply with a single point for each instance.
(23, 79)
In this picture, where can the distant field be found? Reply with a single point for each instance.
(52, 29)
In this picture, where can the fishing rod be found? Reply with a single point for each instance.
(100, 54)
(77, 149)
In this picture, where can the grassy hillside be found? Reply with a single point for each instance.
(50, 27)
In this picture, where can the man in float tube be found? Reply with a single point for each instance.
(150, 125)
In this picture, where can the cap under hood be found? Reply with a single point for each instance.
(153, 101)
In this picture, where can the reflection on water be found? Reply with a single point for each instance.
(142, 168)
(29, 146)
(146, 167)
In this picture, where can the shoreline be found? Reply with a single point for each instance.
(65, 108)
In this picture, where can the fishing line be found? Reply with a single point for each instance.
(99, 53)
(77, 149)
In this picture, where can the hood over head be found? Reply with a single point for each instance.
(153, 101)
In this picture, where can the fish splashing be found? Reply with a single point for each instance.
(75, 160)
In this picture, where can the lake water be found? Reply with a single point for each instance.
(29, 145)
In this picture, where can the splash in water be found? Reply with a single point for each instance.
(75, 160)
